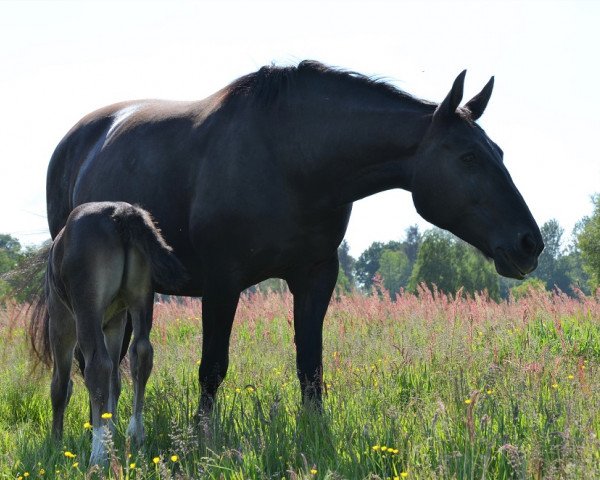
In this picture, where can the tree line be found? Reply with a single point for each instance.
(434, 257)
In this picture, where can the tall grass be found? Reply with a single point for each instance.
(427, 386)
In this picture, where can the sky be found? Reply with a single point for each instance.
(62, 60)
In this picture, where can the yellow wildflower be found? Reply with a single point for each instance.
(42, 471)
(376, 447)
(107, 416)
(174, 458)
(490, 391)
(132, 466)
(313, 471)
(395, 451)
(249, 389)
(467, 401)
(238, 390)
(383, 448)
(198, 362)
(70, 454)
(87, 425)
(76, 464)
(570, 377)
(555, 385)
(20, 477)
(26, 474)
(404, 474)
(156, 460)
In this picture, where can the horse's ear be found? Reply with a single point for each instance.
(453, 99)
(478, 103)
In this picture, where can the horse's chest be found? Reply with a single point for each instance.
(298, 242)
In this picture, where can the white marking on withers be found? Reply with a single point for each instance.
(99, 455)
(120, 116)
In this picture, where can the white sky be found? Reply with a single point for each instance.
(61, 60)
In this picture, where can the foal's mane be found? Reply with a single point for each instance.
(270, 82)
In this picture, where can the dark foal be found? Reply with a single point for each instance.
(101, 266)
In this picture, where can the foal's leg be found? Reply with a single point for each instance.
(62, 342)
(218, 310)
(141, 356)
(312, 288)
(97, 375)
(114, 331)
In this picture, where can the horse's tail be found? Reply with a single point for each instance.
(138, 228)
(39, 318)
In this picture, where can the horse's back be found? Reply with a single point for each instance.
(124, 138)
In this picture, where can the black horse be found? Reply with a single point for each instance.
(258, 181)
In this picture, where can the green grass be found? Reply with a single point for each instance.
(464, 389)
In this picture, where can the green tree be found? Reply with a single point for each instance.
(367, 265)
(531, 285)
(549, 259)
(10, 257)
(412, 243)
(589, 243)
(572, 264)
(343, 284)
(394, 270)
(451, 264)
(347, 263)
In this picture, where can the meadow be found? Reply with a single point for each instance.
(429, 386)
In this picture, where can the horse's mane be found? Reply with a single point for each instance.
(267, 84)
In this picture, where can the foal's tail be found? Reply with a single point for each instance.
(138, 228)
(38, 270)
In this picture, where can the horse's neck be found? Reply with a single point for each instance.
(356, 151)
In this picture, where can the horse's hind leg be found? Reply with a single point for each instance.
(141, 356)
(62, 343)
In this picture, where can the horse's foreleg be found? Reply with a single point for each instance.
(218, 310)
(62, 343)
(141, 356)
(312, 288)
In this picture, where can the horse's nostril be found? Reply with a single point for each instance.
(528, 244)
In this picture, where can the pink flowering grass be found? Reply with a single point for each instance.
(428, 385)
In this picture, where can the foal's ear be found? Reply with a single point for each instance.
(478, 103)
(453, 99)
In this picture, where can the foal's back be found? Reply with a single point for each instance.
(99, 256)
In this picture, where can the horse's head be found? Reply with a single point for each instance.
(460, 184)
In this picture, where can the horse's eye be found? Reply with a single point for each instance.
(468, 158)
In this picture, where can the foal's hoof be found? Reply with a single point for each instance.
(136, 432)
(100, 446)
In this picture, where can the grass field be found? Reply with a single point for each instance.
(424, 387)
